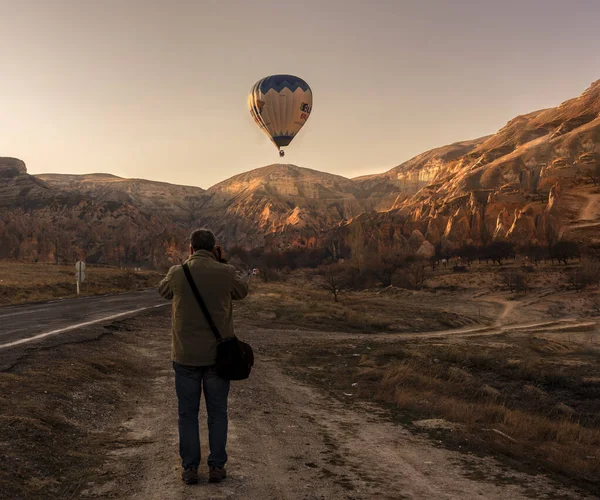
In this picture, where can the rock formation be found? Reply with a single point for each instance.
(280, 206)
(527, 183)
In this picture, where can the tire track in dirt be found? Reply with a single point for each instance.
(291, 441)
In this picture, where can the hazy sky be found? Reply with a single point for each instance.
(157, 89)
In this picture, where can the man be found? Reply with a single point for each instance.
(194, 350)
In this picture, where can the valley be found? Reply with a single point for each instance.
(535, 180)
(462, 389)
(339, 250)
(445, 310)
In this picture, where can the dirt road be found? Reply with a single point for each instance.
(291, 441)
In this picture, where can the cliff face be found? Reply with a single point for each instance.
(400, 183)
(11, 167)
(18, 188)
(532, 181)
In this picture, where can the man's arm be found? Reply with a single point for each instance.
(164, 287)
(240, 287)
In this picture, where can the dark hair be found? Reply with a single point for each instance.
(202, 239)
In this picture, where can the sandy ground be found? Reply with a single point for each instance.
(589, 210)
(291, 441)
(589, 213)
(288, 439)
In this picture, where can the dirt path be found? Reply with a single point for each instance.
(589, 212)
(290, 441)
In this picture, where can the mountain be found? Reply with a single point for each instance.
(280, 206)
(179, 202)
(105, 219)
(401, 182)
(534, 181)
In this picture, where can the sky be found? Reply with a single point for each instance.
(157, 89)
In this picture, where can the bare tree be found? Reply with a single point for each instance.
(594, 174)
(564, 250)
(535, 253)
(515, 280)
(418, 273)
(385, 266)
(542, 195)
(334, 281)
(594, 305)
(498, 251)
(586, 275)
(556, 310)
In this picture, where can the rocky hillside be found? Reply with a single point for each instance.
(178, 202)
(536, 180)
(19, 189)
(64, 218)
(280, 206)
(401, 182)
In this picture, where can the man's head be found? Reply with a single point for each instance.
(202, 239)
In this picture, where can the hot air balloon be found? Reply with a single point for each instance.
(280, 105)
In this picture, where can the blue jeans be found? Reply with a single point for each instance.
(188, 384)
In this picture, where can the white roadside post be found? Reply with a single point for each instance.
(79, 275)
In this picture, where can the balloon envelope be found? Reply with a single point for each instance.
(280, 105)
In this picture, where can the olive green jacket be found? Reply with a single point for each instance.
(192, 341)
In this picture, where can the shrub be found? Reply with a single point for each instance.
(556, 310)
(269, 274)
(383, 267)
(515, 280)
(335, 280)
(413, 276)
(586, 275)
(528, 268)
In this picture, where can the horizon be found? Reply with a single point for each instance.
(201, 187)
(368, 174)
(146, 91)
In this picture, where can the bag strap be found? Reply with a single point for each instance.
(201, 303)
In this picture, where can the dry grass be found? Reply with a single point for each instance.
(61, 409)
(25, 282)
(302, 304)
(535, 401)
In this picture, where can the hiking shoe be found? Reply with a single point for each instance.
(216, 474)
(190, 476)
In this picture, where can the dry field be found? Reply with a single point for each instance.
(525, 389)
(68, 400)
(473, 371)
(299, 304)
(22, 282)
(533, 400)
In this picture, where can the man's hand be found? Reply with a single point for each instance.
(219, 253)
(165, 288)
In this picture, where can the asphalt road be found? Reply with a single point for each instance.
(26, 324)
